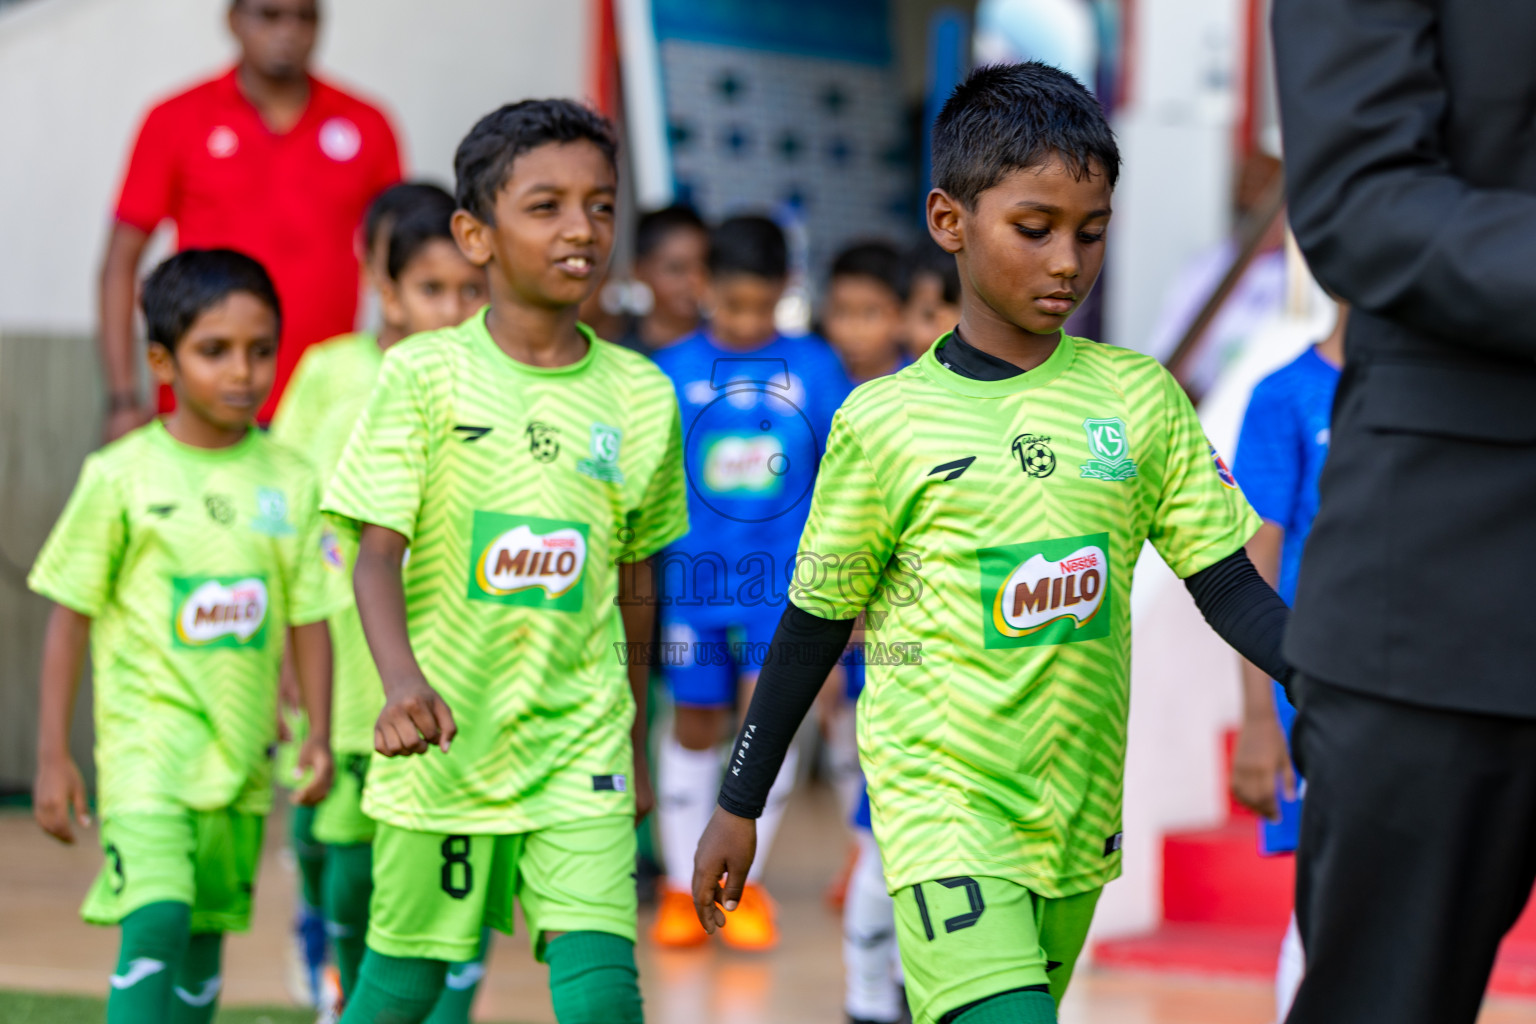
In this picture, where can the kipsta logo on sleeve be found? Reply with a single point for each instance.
(528, 561)
(604, 463)
(218, 611)
(1110, 446)
(1045, 592)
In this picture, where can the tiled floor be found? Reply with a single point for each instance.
(43, 945)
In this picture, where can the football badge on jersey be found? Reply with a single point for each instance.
(1227, 479)
(528, 561)
(1045, 592)
(214, 611)
(1034, 454)
(1110, 446)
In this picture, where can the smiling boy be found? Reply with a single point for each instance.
(1018, 471)
(530, 470)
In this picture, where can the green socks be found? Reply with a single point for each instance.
(195, 990)
(348, 885)
(394, 990)
(1025, 1006)
(154, 941)
(460, 986)
(592, 979)
(310, 854)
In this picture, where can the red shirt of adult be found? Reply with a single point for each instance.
(206, 160)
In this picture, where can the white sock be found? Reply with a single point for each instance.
(843, 759)
(687, 783)
(869, 940)
(1288, 973)
(773, 811)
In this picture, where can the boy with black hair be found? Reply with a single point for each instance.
(1016, 472)
(530, 469)
(189, 551)
(862, 315)
(756, 407)
(671, 260)
(930, 294)
(424, 284)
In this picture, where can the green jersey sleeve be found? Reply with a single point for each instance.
(383, 468)
(662, 515)
(850, 535)
(79, 563)
(292, 423)
(316, 576)
(1201, 517)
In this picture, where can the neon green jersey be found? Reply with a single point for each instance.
(518, 488)
(320, 406)
(989, 530)
(192, 562)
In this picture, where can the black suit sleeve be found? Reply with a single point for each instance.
(1382, 218)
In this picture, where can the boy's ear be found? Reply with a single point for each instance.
(390, 305)
(946, 221)
(162, 363)
(473, 237)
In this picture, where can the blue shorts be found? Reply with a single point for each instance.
(1284, 835)
(705, 663)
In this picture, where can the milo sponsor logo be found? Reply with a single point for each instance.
(527, 560)
(219, 611)
(737, 464)
(1047, 592)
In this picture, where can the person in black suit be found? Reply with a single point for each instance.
(1410, 144)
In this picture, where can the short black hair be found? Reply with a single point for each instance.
(751, 245)
(926, 257)
(1006, 117)
(656, 225)
(874, 259)
(484, 159)
(390, 204)
(427, 219)
(188, 284)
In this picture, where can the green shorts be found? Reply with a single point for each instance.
(339, 819)
(965, 939)
(433, 893)
(205, 859)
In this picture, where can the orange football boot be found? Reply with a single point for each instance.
(752, 927)
(677, 925)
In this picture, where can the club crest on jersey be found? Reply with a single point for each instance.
(744, 464)
(1046, 592)
(1110, 446)
(219, 611)
(1227, 479)
(272, 513)
(604, 463)
(528, 561)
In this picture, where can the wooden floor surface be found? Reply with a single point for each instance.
(44, 946)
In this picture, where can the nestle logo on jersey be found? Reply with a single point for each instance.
(219, 612)
(1045, 592)
(529, 561)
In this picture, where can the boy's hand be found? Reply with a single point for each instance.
(726, 848)
(57, 790)
(315, 758)
(645, 795)
(414, 718)
(1261, 767)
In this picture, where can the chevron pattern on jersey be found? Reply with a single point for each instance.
(191, 562)
(1002, 752)
(457, 432)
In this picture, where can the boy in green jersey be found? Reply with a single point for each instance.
(522, 463)
(424, 284)
(189, 551)
(983, 509)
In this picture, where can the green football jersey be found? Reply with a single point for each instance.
(989, 530)
(519, 488)
(192, 562)
(320, 406)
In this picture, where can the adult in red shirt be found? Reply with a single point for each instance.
(266, 159)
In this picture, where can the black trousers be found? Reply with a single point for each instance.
(1418, 851)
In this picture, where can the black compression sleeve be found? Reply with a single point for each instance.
(803, 652)
(1244, 611)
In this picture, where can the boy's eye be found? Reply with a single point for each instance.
(1089, 238)
(604, 208)
(543, 207)
(1033, 232)
(431, 288)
